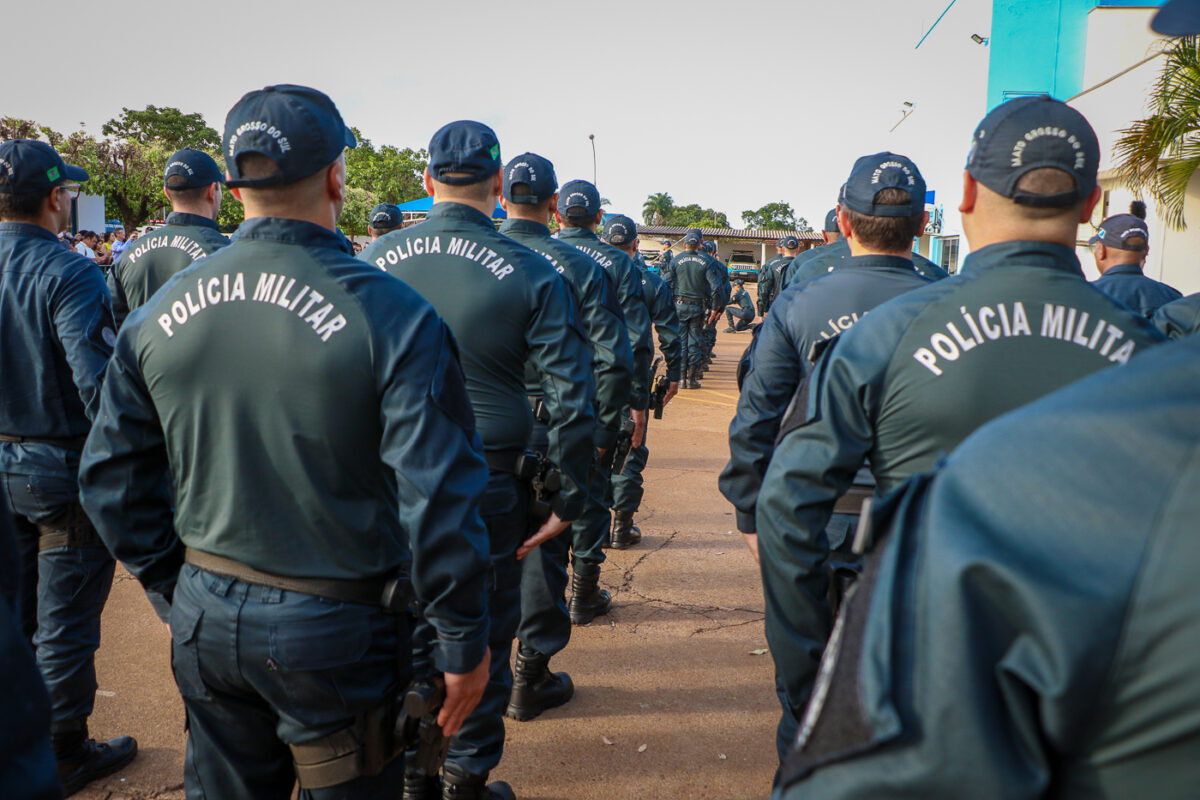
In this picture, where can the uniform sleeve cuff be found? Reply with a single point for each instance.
(746, 522)
(639, 401)
(606, 438)
(460, 657)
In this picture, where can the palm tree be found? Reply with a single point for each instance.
(657, 208)
(1160, 154)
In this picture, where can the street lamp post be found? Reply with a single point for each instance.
(592, 139)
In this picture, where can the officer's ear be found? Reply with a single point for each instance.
(233, 190)
(498, 183)
(843, 221)
(970, 194)
(1099, 251)
(599, 216)
(428, 183)
(335, 182)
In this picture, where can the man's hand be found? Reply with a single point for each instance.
(752, 543)
(550, 528)
(639, 428)
(714, 316)
(672, 390)
(462, 695)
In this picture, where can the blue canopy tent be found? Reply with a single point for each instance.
(425, 203)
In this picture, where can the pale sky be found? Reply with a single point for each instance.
(727, 104)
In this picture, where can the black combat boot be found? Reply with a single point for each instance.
(588, 600)
(691, 380)
(535, 688)
(419, 786)
(624, 532)
(458, 784)
(81, 759)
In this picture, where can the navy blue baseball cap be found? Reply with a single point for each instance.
(874, 173)
(790, 242)
(619, 229)
(779, 241)
(1177, 18)
(693, 236)
(709, 246)
(196, 168)
(1117, 230)
(28, 166)
(384, 216)
(578, 199)
(298, 128)
(831, 225)
(1031, 133)
(532, 177)
(464, 152)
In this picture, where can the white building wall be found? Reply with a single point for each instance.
(1117, 39)
(89, 209)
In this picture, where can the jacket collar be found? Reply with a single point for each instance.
(193, 220)
(1046, 255)
(292, 231)
(512, 225)
(458, 212)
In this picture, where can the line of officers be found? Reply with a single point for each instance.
(335, 477)
(974, 498)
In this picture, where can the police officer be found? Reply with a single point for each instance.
(530, 195)
(1120, 247)
(709, 248)
(507, 307)
(192, 182)
(1180, 317)
(578, 212)
(911, 379)
(1047, 621)
(621, 232)
(662, 264)
(57, 331)
(887, 207)
(259, 383)
(823, 259)
(384, 218)
(767, 274)
(744, 311)
(697, 293)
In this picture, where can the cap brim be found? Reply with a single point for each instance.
(1177, 18)
(351, 141)
(74, 173)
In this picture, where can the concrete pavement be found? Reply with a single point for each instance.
(670, 702)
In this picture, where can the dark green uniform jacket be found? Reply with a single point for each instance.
(1179, 318)
(1034, 627)
(695, 282)
(637, 317)
(506, 306)
(721, 272)
(823, 259)
(903, 387)
(149, 262)
(312, 417)
(666, 321)
(1129, 286)
(602, 318)
(802, 317)
(768, 275)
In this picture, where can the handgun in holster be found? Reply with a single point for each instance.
(544, 480)
(624, 444)
(658, 394)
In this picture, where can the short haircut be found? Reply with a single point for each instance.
(1045, 181)
(887, 234)
(477, 192)
(257, 165)
(179, 192)
(23, 205)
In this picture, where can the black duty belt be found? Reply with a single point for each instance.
(75, 443)
(365, 591)
(503, 460)
(851, 502)
(688, 298)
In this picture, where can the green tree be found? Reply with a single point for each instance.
(657, 208)
(1159, 155)
(167, 126)
(127, 173)
(356, 211)
(693, 216)
(391, 174)
(771, 217)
